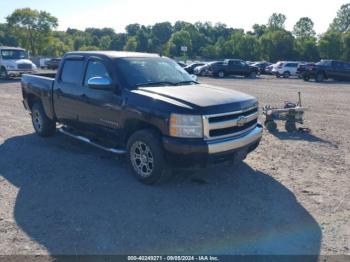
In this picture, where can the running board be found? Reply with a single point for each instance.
(88, 141)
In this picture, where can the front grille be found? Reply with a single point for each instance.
(24, 66)
(230, 124)
(217, 119)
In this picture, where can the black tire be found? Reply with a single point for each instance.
(319, 77)
(306, 78)
(43, 126)
(278, 75)
(286, 74)
(290, 126)
(3, 73)
(253, 74)
(221, 74)
(270, 125)
(146, 157)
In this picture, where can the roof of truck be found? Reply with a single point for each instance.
(113, 54)
(11, 47)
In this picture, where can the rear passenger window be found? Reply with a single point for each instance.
(95, 69)
(72, 71)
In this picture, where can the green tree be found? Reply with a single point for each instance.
(304, 28)
(342, 21)
(105, 42)
(259, 30)
(132, 29)
(131, 44)
(307, 49)
(31, 28)
(331, 45)
(162, 32)
(6, 38)
(346, 43)
(277, 45)
(118, 41)
(177, 40)
(277, 21)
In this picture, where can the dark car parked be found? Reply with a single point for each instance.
(53, 63)
(181, 64)
(328, 69)
(262, 67)
(146, 107)
(207, 68)
(234, 67)
(304, 67)
(190, 68)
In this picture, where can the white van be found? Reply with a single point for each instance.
(14, 61)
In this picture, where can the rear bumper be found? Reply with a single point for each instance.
(201, 153)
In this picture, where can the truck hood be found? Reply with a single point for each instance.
(15, 62)
(208, 98)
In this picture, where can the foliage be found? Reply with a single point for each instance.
(31, 28)
(34, 30)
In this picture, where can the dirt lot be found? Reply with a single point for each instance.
(291, 196)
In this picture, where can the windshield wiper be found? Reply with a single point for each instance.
(186, 82)
(155, 84)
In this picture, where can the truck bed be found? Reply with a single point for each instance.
(39, 86)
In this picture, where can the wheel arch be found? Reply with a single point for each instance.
(133, 125)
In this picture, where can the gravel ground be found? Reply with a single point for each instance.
(291, 196)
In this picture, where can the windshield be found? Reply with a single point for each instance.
(324, 63)
(157, 71)
(14, 54)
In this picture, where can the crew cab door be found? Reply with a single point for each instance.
(68, 91)
(234, 67)
(101, 106)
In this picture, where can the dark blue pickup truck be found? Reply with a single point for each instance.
(144, 106)
(327, 69)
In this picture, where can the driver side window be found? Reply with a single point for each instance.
(95, 69)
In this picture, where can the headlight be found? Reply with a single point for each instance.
(188, 126)
(11, 67)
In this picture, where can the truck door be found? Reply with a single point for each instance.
(101, 107)
(234, 67)
(68, 90)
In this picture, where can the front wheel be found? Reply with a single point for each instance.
(319, 77)
(3, 73)
(253, 74)
(306, 78)
(146, 157)
(43, 126)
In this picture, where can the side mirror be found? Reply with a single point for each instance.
(101, 83)
(194, 77)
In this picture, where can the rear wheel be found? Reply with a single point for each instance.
(43, 126)
(146, 157)
(319, 77)
(221, 74)
(3, 73)
(286, 74)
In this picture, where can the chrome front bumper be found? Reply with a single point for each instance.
(228, 144)
(20, 72)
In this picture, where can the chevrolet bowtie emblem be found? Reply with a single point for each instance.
(241, 121)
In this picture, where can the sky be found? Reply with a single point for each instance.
(116, 14)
